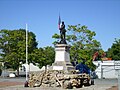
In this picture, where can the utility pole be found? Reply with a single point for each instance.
(26, 53)
(26, 83)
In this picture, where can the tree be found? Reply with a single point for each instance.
(98, 55)
(82, 44)
(12, 46)
(43, 56)
(114, 51)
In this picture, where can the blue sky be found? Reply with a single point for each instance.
(101, 16)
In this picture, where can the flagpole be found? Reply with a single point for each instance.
(59, 21)
(26, 52)
(26, 83)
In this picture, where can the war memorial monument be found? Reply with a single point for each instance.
(62, 58)
(62, 73)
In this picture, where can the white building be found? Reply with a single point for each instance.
(32, 67)
(105, 69)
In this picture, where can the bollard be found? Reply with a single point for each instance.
(26, 84)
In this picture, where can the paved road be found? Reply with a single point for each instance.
(8, 79)
(106, 81)
(97, 81)
(100, 84)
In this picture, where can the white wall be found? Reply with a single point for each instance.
(107, 67)
(31, 67)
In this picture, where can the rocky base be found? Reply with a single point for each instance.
(55, 78)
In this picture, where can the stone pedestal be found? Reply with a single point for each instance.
(62, 58)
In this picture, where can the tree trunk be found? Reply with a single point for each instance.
(18, 72)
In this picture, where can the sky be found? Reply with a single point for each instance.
(101, 16)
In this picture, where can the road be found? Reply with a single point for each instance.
(97, 81)
(106, 81)
(16, 79)
(100, 84)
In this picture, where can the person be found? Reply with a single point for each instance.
(62, 32)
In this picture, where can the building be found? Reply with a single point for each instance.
(106, 69)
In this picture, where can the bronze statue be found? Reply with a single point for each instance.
(62, 34)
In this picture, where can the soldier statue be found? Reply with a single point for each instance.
(62, 34)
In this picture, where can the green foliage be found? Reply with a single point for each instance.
(43, 56)
(13, 46)
(56, 36)
(114, 51)
(13, 49)
(82, 42)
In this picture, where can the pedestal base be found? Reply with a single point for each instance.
(62, 58)
(65, 66)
